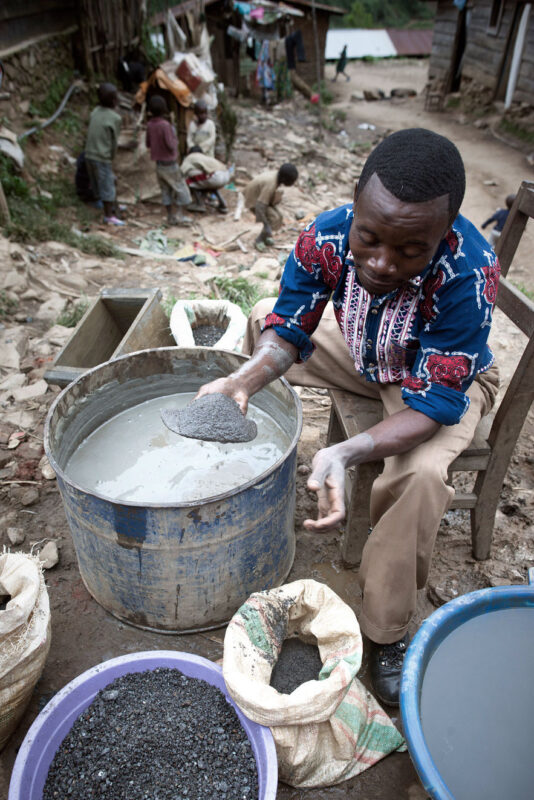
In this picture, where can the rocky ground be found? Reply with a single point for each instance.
(38, 280)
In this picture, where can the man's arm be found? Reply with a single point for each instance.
(209, 142)
(397, 434)
(272, 357)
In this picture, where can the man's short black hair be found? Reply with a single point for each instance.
(417, 165)
(288, 174)
(107, 92)
(157, 105)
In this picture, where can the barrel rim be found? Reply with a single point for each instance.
(185, 504)
(431, 633)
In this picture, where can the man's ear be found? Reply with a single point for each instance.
(355, 190)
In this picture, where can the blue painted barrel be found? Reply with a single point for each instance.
(174, 567)
(432, 635)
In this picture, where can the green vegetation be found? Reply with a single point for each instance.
(227, 120)
(326, 94)
(45, 106)
(413, 14)
(73, 312)
(240, 291)
(527, 292)
(7, 305)
(513, 129)
(37, 215)
(154, 54)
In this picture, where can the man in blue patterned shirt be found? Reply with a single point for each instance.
(413, 285)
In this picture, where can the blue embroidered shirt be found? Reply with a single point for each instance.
(430, 335)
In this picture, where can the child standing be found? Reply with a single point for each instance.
(201, 132)
(100, 149)
(499, 218)
(163, 144)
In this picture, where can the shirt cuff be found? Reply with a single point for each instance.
(292, 334)
(441, 403)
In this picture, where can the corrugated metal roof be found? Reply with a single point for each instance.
(411, 43)
(383, 43)
(360, 42)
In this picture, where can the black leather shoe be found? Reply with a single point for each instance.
(386, 662)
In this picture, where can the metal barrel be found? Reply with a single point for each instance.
(174, 567)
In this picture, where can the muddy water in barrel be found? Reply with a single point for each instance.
(477, 707)
(134, 457)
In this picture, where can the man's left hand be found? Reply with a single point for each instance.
(328, 481)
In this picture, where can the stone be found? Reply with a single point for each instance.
(13, 346)
(13, 381)
(58, 335)
(46, 469)
(51, 308)
(403, 92)
(29, 496)
(16, 536)
(15, 280)
(49, 555)
(29, 392)
(9, 519)
(24, 106)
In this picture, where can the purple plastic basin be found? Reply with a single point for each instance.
(57, 718)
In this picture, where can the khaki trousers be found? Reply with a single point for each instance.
(411, 495)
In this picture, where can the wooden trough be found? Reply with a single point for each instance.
(117, 322)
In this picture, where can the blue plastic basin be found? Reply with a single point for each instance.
(59, 715)
(428, 639)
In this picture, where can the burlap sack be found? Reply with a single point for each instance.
(24, 636)
(223, 313)
(327, 730)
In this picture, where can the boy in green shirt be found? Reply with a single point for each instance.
(100, 148)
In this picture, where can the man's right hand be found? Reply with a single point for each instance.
(229, 386)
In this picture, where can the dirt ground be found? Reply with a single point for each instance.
(83, 633)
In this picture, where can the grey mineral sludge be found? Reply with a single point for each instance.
(212, 418)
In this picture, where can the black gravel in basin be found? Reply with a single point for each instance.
(297, 663)
(155, 735)
(207, 335)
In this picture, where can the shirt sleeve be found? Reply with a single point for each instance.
(453, 341)
(209, 142)
(191, 134)
(115, 130)
(310, 275)
(170, 136)
(493, 218)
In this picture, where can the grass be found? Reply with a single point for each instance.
(72, 313)
(512, 128)
(40, 218)
(7, 305)
(240, 291)
(527, 292)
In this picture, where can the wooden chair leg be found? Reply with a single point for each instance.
(335, 433)
(358, 521)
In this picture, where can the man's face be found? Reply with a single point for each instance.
(393, 241)
(201, 114)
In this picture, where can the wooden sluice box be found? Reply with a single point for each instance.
(117, 322)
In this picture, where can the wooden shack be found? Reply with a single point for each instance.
(231, 61)
(490, 42)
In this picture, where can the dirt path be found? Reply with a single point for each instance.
(83, 634)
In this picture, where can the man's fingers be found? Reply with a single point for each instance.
(331, 506)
